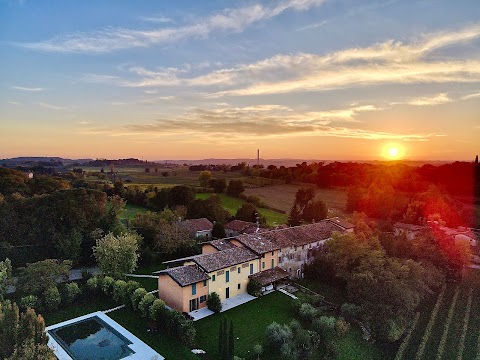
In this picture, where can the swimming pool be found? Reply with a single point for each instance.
(92, 339)
(97, 337)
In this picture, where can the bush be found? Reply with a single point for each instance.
(29, 301)
(157, 310)
(86, 275)
(93, 284)
(350, 311)
(71, 292)
(129, 290)
(52, 298)
(137, 296)
(119, 291)
(107, 285)
(253, 288)
(214, 303)
(307, 312)
(278, 334)
(145, 303)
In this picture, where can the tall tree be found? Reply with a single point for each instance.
(235, 188)
(204, 178)
(117, 255)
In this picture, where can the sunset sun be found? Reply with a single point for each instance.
(393, 152)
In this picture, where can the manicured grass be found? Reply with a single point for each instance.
(249, 322)
(352, 347)
(148, 269)
(164, 344)
(84, 307)
(148, 284)
(231, 204)
(334, 294)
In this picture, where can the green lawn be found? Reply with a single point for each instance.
(249, 322)
(130, 211)
(84, 307)
(148, 269)
(164, 344)
(148, 284)
(231, 204)
(334, 294)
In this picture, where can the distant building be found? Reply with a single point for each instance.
(344, 224)
(238, 227)
(460, 234)
(410, 230)
(30, 175)
(199, 228)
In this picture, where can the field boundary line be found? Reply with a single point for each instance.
(451, 310)
(466, 318)
(406, 340)
(428, 330)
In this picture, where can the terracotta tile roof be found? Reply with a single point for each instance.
(257, 243)
(222, 259)
(411, 227)
(269, 276)
(303, 234)
(185, 275)
(239, 225)
(201, 224)
(221, 244)
(341, 222)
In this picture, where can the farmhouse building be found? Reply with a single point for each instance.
(199, 228)
(227, 265)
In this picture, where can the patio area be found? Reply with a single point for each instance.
(226, 305)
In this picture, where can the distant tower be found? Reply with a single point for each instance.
(258, 158)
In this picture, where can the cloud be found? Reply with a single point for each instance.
(112, 39)
(158, 19)
(470, 96)
(260, 121)
(31, 89)
(389, 62)
(50, 106)
(437, 99)
(16, 103)
(313, 26)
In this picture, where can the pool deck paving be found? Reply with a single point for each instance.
(141, 350)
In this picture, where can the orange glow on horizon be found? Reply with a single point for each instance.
(393, 151)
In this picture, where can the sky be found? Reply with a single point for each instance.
(306, 79)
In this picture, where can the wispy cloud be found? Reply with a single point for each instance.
(156, 19)
(50, 106)
(31, 89)
(384, 63)
(258, 121)
(471, 96)
(16, 103)
(111, 39)
(436, 99)
(313, 26)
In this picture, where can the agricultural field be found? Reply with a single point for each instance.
(447, 326)
(281, 197)
(231, 204)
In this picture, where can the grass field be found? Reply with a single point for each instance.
(249, 322)
(130, 211)
(456, 337)
(282, 197)
(232, 204)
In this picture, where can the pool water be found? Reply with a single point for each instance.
(92, 339)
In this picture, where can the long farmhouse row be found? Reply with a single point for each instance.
(227, 265)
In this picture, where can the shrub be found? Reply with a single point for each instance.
(278, 334)
(341, 327)
(52, 298)
(86, 275)
(93, 284)
(186, 332)
(157, 310)
(129, 290)
(253, 288)
(107, 285)
(29, 301)
(145, 303)
(307, 312)
(214, 303)
(137, 296)
(350, 311)
(119, 291)
(71, 292)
